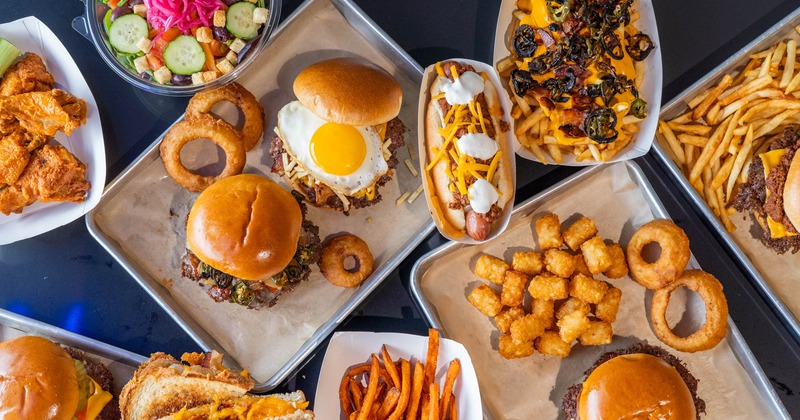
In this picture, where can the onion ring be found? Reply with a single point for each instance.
(203, 126)
(715, 327)
(236, 94)
(674, 256)
(336, 251)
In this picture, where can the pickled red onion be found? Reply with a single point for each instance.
(182, 14)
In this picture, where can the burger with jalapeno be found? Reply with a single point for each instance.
(249, 241)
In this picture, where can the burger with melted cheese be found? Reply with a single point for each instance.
(336, 144)
(41, 380)
(249, 241)
(772, 193)
(642, 382)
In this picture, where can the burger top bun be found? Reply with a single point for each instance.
(350, 91)
(246, 226)
(37, 380)
(791, 192)
(633, 384)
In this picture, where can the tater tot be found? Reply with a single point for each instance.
(513, 288)
(572, 325)
(511, 349)
(527, 328)
(530, 263)
(571, 305)
(580, 266)
(618, 267)
(587, 288)
(548, 231)
(578, 232)
(506, 317)
(595, 253)
(550, 343)
(544, 310)
(608, 307)
(558, 262)
(599, 333)
(491, 268)
(486, 300)
(548, 286)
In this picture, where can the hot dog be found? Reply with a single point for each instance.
(468, 160)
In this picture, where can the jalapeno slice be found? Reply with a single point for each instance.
(242, 294)
(558, 9)
(612, 45)
(600, 125)
(525, 41)
(638, 108)
(639, 46)
(522, 82)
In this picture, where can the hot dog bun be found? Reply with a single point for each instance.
(449, 216)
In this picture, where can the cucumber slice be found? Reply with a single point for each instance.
(184, 55)
(8, 53)
(126, 31)
(239, 20)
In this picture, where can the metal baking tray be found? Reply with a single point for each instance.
(121, 363)
(677, 106)
(404, 65)
(734, 338)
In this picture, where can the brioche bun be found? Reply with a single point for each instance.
(791, 192)
(37, 380)
(632, 384)
(246, 226)
(350, 91)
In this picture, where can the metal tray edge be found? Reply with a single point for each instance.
(738, 345)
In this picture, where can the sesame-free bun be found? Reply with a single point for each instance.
(350, 91)
(246, 226)
(791, 192)
(37, 380)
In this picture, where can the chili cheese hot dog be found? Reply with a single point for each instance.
(468, 165)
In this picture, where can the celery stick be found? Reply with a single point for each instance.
(8, 53)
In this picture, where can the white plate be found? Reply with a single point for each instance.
(347, 349)
(86, 143)
(650, 90)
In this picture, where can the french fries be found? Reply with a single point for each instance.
(729, 124)
(386, 389)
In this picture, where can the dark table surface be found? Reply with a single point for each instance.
(66, 279)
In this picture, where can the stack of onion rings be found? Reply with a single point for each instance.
(199, 123)
(674, 256)
(203, 126)
(236, 94)
(715, 327)
(336, 251)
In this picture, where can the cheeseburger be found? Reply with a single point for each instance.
(41, 380)
(336, 144)
(248, 241)
(772, 193)
(642, 382)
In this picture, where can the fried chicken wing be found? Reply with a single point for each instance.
(53, 174)
(26, 75)
(14, 157)
(45, 113)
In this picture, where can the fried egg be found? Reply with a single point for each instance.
(347, 158)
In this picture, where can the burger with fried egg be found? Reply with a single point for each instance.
(336, 144)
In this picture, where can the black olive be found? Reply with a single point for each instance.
(120, 11)
(230, 2)
(221, 34)
(181, 80)
(522, 82)
(639, 46)
(600, 125)
(145, 75)
(135, 2)
(525, 41)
